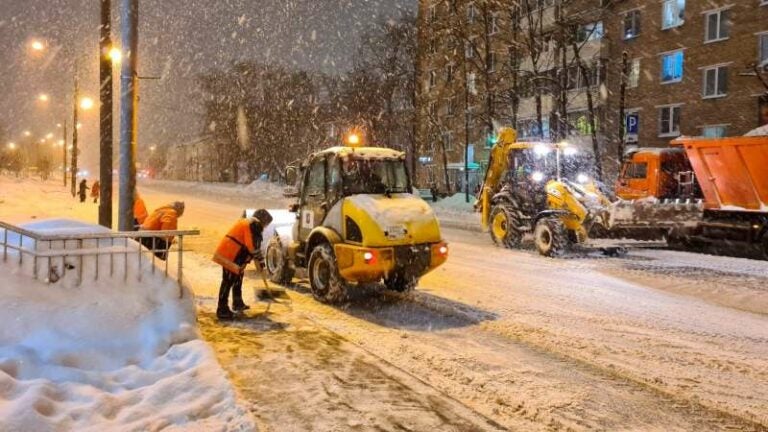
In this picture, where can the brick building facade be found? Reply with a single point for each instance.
(479, 65)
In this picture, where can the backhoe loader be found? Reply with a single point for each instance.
(525, 191)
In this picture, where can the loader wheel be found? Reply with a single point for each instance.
(324, 279)
(551, 237)
(401, 283)
(278, 268)
(504, 230)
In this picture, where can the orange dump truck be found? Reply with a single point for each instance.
(726, 177)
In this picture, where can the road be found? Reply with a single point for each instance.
(497, 340)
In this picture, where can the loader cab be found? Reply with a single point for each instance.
(331, 175)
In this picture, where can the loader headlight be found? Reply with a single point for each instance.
(541, 150)
(443, 250)
(537, 176)
(582, 178)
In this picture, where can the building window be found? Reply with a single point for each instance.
(432, 14)
(449, 73)
(492, 61)
(763, 49)
(451, 108)
(471, 84)
(669, 121)
(632, 24)
(529, 128)
(448, 140)
(672, 67)
(717, 25)
(432, 79)
(633, 80)
(593, 31)
(717, 131)
(715, 82)
(494, 27)
(471, 13)
(672, 13)
(469, 48)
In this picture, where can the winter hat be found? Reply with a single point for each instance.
(263, 216)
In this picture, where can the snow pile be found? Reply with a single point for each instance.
(107, 354)
(456, 212)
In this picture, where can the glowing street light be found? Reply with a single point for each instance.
(11, 146)
(27, 133)
(86, 103)
(49, 136)
(152, 148)
(115, 55)
(37, 45)
(79, 125)
(43, 97)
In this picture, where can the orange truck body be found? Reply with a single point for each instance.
(731, 172)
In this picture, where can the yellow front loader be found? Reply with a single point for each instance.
(525, 192)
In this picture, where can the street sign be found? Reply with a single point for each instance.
(632, 126)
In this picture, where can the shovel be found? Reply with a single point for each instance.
(268, 293)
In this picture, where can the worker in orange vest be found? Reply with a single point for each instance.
(140, 213)
(241, 245)
(165, 218)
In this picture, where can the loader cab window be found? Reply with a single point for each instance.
(374, 176)
(635, 170)
(315, 184)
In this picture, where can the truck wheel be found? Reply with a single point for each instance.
(504, 227)
(401, 283)
(327, 285)
(551, 237)
(278, 268)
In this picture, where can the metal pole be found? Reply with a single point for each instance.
(622, 102)
(73, 174)
(128, 115)
(64, 152)
(105, 116)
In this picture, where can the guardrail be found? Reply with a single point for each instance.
(58, 248)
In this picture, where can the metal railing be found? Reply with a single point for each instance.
(56, 251)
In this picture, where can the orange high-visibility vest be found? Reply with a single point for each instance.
(140, 210)
(238, 237)
(164, 218)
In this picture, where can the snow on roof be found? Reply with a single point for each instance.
(761, 131)
(365, 152)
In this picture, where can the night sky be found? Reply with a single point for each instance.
(179, 39)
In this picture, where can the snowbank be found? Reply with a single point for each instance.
(456, 212)
(113, 353)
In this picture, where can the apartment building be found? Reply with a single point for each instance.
(553, 69)
(692, 67)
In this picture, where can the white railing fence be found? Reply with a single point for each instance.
(53, 255)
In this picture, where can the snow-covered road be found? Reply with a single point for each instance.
(495, 339)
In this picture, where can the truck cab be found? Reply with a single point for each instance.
(356, 222)
(654, 172)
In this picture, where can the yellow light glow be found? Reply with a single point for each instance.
(86, 103)
(115, 55)
(79, 125)
(353, 139)
(43, 98)
(12, 146)
(27, 133)
(49, 136)
(37, 45)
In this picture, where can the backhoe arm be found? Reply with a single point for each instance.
(497, 167)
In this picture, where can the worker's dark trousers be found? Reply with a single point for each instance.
(234, 282)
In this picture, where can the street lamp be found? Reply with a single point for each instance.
(37, 45)
(27, 133)
(115, 55)
(86, 103)
(11, 146)
(43, 97)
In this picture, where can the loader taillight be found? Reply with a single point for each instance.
(443, 250)
(369, 257)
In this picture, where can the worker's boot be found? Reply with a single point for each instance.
(224, 314)
(239, 306)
